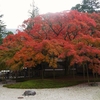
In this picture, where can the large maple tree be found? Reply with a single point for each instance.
(66, 35)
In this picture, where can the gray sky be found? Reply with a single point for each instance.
(16, 11)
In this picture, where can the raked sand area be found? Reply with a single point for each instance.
(79, 92)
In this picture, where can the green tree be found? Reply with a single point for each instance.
(34, 10)
(33, 13)
(6, 33)
(2, 29)
(89, 6)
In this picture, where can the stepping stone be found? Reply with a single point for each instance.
(28, 93)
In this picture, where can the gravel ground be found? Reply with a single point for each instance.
(79, 92)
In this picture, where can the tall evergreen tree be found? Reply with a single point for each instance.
(89, 6)
(34, 10)
(33, 13)
(2, 29)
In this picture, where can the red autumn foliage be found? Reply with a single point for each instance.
(48, 37)
(64, 25)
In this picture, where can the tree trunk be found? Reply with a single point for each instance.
(65, 73)
(94, 78)
(29, 73)
(42, 71)
(53, 73)
(84, 72)
(67, 68)
(87, 74)
(25, 70)
(16, 74)
(73, 72)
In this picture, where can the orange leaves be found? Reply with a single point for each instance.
(3, 47)
(39, 58)
(87, 52)
(16, 40)
(36, 53)
(29, 64)
(52, 47)
(38, 47)
(16, 66)
(69, 49)
(97, 43)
